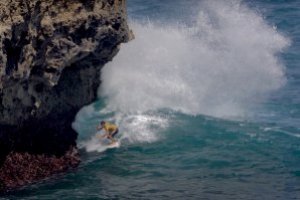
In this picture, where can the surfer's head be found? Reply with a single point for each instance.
(102, 122)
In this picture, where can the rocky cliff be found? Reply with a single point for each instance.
(50, 60)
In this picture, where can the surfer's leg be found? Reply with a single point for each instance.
(115, 133)
(111, 137)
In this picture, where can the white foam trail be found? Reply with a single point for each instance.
(218, 67)
(280, 130)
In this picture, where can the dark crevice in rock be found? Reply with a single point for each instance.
(89, 32)
(88, 5)
(13, 48)
(111, 2)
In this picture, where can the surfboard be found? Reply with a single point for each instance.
(114, 145)
(100, 145)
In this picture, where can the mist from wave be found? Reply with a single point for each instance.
(220, 66)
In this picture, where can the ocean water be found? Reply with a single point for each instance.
(207, 98)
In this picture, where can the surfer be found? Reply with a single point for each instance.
(110, 131)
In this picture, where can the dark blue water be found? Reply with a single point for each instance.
(248, 148)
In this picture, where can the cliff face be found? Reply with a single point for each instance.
(50, 60)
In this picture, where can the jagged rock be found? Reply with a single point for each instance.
(23, 168)
(50, 60)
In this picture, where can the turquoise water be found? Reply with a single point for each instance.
(207, 100)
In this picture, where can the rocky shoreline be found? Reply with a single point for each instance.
(23, 168)
(52, 52)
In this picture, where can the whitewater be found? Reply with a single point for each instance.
(219, 66)
(224, 65)
(206, 98)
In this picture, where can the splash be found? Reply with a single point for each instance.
(95, 144)
(220, 66)
(134, 127)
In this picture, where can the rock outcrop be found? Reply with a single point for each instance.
(50, 60)
(23, 168)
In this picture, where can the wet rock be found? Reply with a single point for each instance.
(51, 54)
(23, 168)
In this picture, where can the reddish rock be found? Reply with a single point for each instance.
(23, 168)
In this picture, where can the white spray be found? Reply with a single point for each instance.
(220, 67)
(223, 63)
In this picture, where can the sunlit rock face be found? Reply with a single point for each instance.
(51, 55)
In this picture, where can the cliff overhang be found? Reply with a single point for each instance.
(52, 52)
